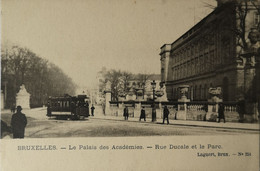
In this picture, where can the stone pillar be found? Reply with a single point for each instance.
(137, 110)
(182, 106)
(251, 74)
(249, 78)
(212, 113)
(23, 98)
(120, 110)
(107, 98)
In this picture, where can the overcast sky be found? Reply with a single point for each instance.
(81, 36)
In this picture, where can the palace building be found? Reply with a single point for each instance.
(210, 54)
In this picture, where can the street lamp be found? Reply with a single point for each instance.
(153, 86)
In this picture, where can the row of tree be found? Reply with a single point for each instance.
(40, 77)
(120, 82)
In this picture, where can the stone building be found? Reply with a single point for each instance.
(210, 55)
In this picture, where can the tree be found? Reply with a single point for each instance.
(41, 78)
(125, 81)
(119, 82)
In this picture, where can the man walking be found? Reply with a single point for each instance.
(142, 116)
(221, 114)
(166, 114)
(18, 123)
(126, 113)
(92, 110)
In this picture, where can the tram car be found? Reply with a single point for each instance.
(68, 107)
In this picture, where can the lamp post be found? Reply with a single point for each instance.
(153, 86)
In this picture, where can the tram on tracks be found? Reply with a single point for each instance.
(68, 107)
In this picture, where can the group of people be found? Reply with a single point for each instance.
(143, 115)
(221, 114)
(19, 120)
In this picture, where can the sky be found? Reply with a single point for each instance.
(82, 36)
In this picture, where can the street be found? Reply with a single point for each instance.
(40, 126)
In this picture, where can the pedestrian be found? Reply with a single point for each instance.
(241, 109)
(18, 123)
(142, 116)
(153, 114)
(175, 107)
(126, 113)
(92, 110)
(48, 109)
(221, 114)
(166, 114)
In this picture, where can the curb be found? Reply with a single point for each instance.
(179, 124)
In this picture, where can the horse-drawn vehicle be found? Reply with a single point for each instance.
(68, 107)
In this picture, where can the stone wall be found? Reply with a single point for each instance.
(195, 111)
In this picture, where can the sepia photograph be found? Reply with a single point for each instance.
(174, 84)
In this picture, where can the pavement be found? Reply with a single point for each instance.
(227, 125)
(99, 115)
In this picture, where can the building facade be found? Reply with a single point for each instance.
(210, 54)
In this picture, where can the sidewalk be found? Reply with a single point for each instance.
(227, 125)
(98, 115)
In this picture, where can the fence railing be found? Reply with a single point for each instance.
(196, 110)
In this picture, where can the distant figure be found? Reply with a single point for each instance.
(205, 108)
(153, 114)
(241, 110)
(73, 107)
(166, 114)
(221, 114)
(175, 107)
(48, 109)
(126, 113)
(18, 123)
(142, 116)
(92, 110)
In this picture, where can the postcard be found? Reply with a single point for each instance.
(130, 85)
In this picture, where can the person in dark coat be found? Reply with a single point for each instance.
(126, 113)
(18, 123)
(48, 109)
(92, 110)
(142, 116)
(166, 114)
(153, 114)
(221, 114)
(241, 110)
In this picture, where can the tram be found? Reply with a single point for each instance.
(68, 107)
